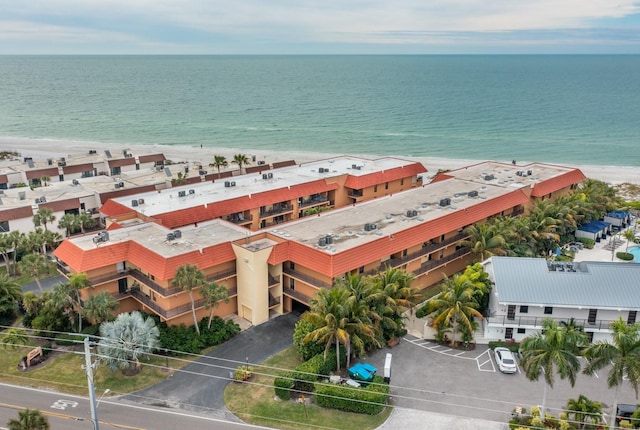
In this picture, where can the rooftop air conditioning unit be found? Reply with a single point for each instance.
(270, 175)
(354, 166)
(177, 234)
(329, 239)
(50, 162)
(321, 170)
(529, 172)
(92, 152)
(104, 235)
(227, 184)
(192, 191)
(37, 200)
(134, 203)
(233, 183)
(489, 177)
(121, 184)
(322, 241)
(412, 213)
(445, 202)
(202, 172)
(62, 163)
(116, 185)
(519, 173)
(128, 155)
(264, 176)
(140, 201)
(171, 236)
(75, 182)
(182, 193)
(261, 163)
(473, 193)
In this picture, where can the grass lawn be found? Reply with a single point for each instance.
(24, 278)
(63, 372)
(255, 403)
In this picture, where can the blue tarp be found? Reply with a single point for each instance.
(594, 226)
(362, 372)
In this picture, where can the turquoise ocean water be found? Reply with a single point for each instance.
(562, 109)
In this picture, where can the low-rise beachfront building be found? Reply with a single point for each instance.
(280, 267)
(528, 290)
(267, 196)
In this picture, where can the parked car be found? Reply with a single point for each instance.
(505, 359)
(624, 412)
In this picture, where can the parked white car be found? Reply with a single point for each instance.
(505, 359)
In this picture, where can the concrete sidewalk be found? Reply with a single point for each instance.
(402, 418)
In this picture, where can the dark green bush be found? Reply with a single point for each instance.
(588, 243)
(370, 400)
(185, 339)
(512, 346)
(624, 256)
(309, 349)
(283, 385)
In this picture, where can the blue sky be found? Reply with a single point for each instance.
(319, 27)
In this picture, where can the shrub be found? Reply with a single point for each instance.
(624, 256)
(588, 243)
(511, 345)
(283, 385)
(243, 373)
(303, 377)
(66, 339)
(370, 400)
(309, 349)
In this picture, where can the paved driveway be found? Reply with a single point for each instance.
(47, 284)
(189, 390)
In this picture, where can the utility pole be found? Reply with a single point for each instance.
(88, 366)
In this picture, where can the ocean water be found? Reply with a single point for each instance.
(562, 109)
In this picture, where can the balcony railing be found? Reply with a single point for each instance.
(430, 265)
(275, 211)
(108, 278)
(62, 268)
(273, 281)
(536, 322)
(296, 295)
(240, 219)
(223, 274)
(355, 194)
(313, 201)
(306, 278)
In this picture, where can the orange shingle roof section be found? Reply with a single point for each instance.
(371, 179)
(557, 183)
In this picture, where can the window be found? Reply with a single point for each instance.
(404, 253)
(524, 309)
(402, 182)
(375, 188)
(137, 166)
(292, 284)
(522, 330)
(511, 312)
(292, 265)
(115, 171)
(631, 319)
(61, 178)
(548, 310)
(386, 185)
(361, 269)
(508, 333)
(4, 226)
(593, 314)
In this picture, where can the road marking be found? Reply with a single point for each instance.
(481, 361)
(63, 404)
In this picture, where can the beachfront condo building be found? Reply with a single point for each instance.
(280, 255)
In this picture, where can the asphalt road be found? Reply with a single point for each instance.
(47, 284)
(69, 412)
(199, 387)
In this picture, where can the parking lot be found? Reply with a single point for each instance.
(431, 377)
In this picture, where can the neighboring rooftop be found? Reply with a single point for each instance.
(535, 282)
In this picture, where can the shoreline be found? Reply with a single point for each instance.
(41, 149)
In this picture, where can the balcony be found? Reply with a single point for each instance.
(296, 295)
(276, 210)
(240, 218)
(223, 274)
(536, 322)
(433, 264)
(355, 194)
(306, 278)
(313, 201)
(273, 281)
(159, 310)
(273, 301)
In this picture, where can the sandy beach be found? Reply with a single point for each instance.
(43, 149)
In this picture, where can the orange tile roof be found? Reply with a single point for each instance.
(80, 260)
(371, 179)
(111, 208)
(441, 177)
(558, 182)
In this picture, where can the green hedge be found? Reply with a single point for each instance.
(67, 339)
(283, 385)
(625, 256)
(370, 400)
(588, 243)
(512, 346)
(303, 377)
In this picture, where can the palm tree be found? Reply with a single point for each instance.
(484, 241)
(241, 160)
(35, 241)
(127, 339)
(10, 295)
(85, 220)
(6, 246)
(622, 354)
(188, 277)
(69, 222)
(98, 308)
(36, 266)
(64, 299)
(77, 282)
(51, 239)
(16, 239)
(455, 305)
(181, 179)
(583, 411)
(219, 161)
(43, 217)
(213, 293)
(44, 180)
(32, 303)
(393, 294)
(29, 419)
(328, 313)
(552, 347)
(630, 236)
(14, 337)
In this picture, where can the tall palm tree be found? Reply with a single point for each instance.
(622, 354)
(188, 278)
(127, 339)
(77, 282)
(219, 161)
(10, 295)
(36, 266)
(51, 239)
(32, 303)
(35, 241)
(393, 295)
(64, 298)
(213, 293)
(43, 217)
(44, 180)
(484, 241)
(584, 411)
(553, 349)
(85, 221)
(6, 246)
(328, 313)
(455, 305)
(69, 223)
(630, 236)
(241, 160)
(98, 308)
(29, 419)
(16, 238)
